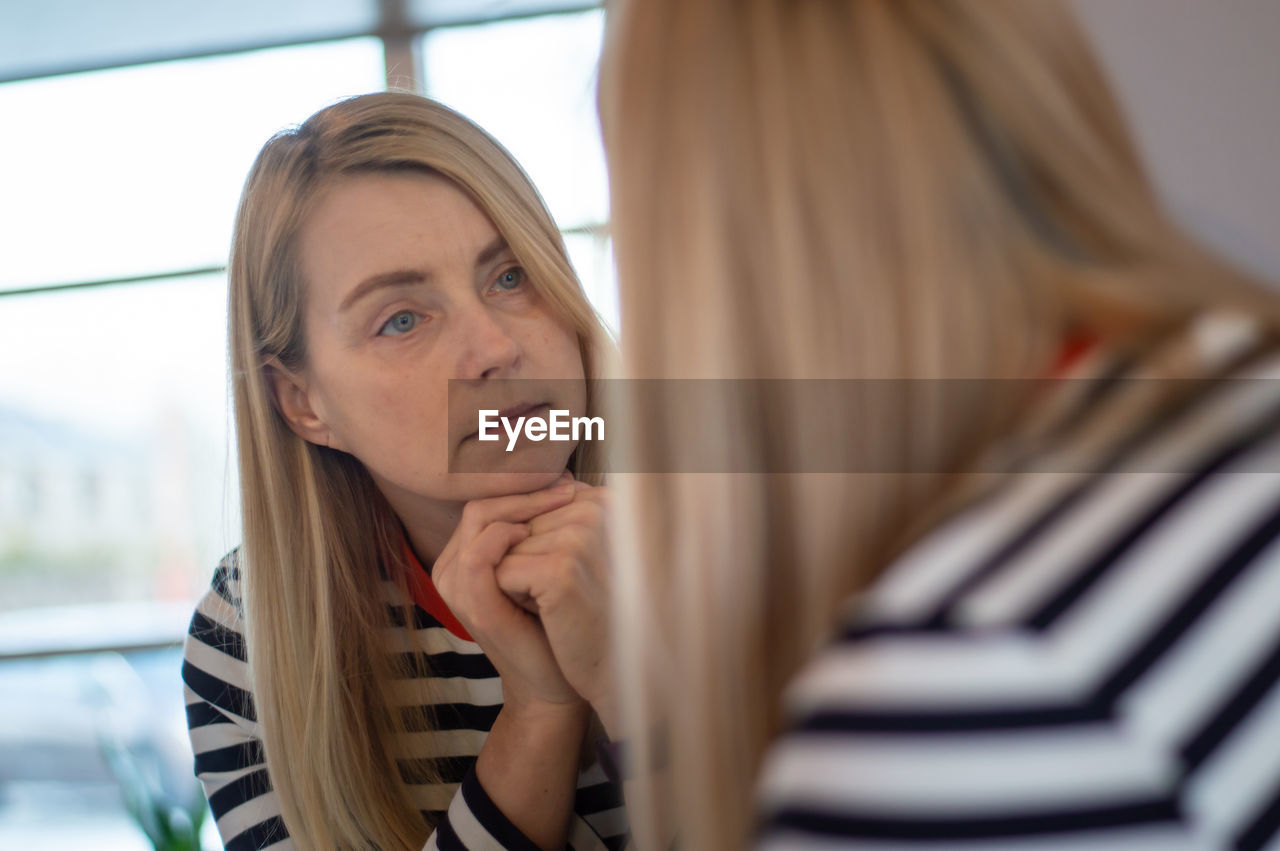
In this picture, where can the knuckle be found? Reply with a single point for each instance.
(577, 539)
(444, 585)
(477, 513)
(478, 624)
(563, 570)
(468, 561)
(598, 513)
(567, 567)
(490, 533)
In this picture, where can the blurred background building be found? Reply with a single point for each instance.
(126, 131)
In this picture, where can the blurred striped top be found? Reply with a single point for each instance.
(1086, 655)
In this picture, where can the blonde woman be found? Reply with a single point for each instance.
(914, 649)
(367, 670)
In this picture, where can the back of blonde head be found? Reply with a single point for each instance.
(318, 537)
(905, 189)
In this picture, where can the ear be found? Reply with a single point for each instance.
(292, 398)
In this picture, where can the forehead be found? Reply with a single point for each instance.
(369, 223)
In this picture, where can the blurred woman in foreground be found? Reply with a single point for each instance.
(922, 648)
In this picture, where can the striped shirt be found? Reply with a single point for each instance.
(1086, 656)
(462, 694)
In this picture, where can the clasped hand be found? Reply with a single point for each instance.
(528, 576)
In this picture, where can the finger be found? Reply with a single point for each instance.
(486, 548)
(573, 514)
(520, 576)
(493, 542)
(515, 508)
(568, 540)
(514, 576)
(599, 494)
(483, 603)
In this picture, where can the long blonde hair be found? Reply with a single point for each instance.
(886, 189)
(318, 537)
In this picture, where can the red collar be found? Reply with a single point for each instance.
(428, 598)
(1073, 350)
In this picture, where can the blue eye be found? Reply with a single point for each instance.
(510, 279)
(402, 323)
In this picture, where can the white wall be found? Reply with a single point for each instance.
(1200, 80)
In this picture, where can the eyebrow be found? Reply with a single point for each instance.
(491, 251)
(382, 280)
(403, 277)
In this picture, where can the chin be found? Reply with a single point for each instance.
(484, 485)
(489, 473)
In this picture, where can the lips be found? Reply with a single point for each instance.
(513, 413)
(522, 410)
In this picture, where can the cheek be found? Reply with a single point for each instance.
(416, 417)
(391, 422)
(559, 350)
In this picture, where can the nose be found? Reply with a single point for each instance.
(486, 347)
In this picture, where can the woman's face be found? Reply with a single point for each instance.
(409, 285)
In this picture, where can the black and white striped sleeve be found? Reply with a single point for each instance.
(231, 765)
(222, 722)
(1120, 689)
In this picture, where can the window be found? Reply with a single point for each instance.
(112, 382)
(531, 83)
(136, 171)
(113, 415)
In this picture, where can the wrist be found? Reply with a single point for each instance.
(528, 767)
(546, 714)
